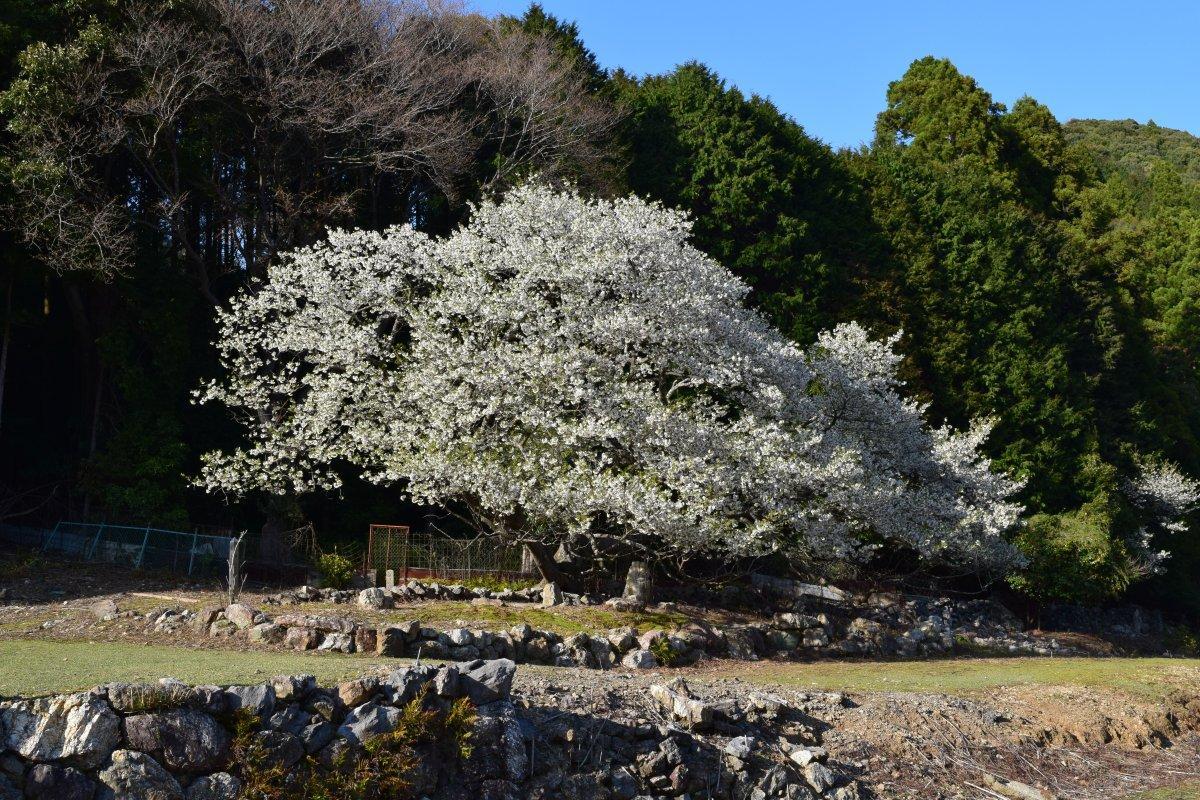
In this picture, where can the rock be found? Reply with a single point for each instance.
(649, 638)
(356, 692)
(137, 776)
(267, 633)
(52, 782)
(622, 784)
(316, 736)
(258, 698)
(375, 598)
(446, 682)
(552, 595)
(222, 628)
(638, 586)
(302, 638)
(218, 786)
(293, 687)
(622, 640)
(279, 749)
(808, 755)
(77, 729)
(819, 777)
(740, 747)
(676, 701)
(290, 720)
(132, 698)
(487, 681)
(184, 740)
(8, 791)
(204, 618)
(390, 642)
(795, 622)
(458, 637)
(639, 659)
(104, 610)
(337, 643)
(365, 639)
(368, 721)
(816, 637)
(240, 615)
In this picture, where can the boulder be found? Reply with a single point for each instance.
(76, 729)
(458, 637)
(204, 618)
(390, 642)
(279, 749)
(316, 736)
(368, 721)
(104, 610)
(222, 628)
(218, 786)
(377, 597)
(639, 659)
(647, 639)
(137, 776)
(819, 777)
(623, 640)
(302, 638)
(52, 782)
(240, 615)
(552, 595)
(366, 640)
(131, 698)
(677, 701)
(293, 687)
(267, 633)
(487, 681)
(258, 698)
(337, 643)
(356, 692)
(184, 740)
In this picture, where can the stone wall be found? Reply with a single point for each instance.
(171, 741)
(876, 625)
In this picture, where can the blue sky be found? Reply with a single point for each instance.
(828, 64)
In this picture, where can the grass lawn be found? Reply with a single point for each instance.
(41, 667)
(1145, 677)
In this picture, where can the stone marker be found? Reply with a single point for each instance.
(637, 583)
(389, 579)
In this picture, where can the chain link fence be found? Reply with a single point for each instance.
(433, 555)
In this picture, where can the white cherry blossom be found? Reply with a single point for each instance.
(570, 367)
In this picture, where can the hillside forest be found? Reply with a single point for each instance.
(158, 157)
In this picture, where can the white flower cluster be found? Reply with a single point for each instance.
(1164, 495)
(575, 366)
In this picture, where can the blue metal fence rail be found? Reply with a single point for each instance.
(144, 547)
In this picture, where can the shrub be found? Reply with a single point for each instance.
(661, 648)
(381, 770)
(336, 570)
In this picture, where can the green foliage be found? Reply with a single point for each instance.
(661, 648)
(1129, 147)
(381, 770)
(771, 203)
(1182, 640)
(336, 570)
(496, 584)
